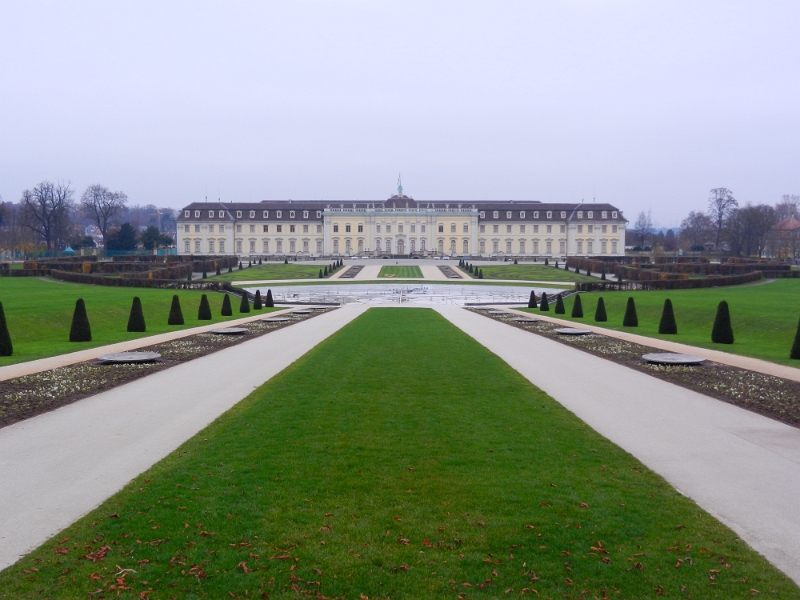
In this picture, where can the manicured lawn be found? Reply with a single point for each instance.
(398, 459)
(764, 317)
(412, 271)
(535, 272)
(39, 314)
(273, 271)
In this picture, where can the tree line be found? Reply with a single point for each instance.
(48, 218)
(725, 226)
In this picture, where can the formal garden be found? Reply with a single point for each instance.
(459, 482)
(408, 272)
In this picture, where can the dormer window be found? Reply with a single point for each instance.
(222, 214)
(496, 215)
(536, 214)
(508, 214)
(197, 214)
(279, 213)
(563, 214)
(186, 214)
(590, 214)
(549, 214)
(319, 214)
(252, 214)
(211, 214)
(266, 214)
(580, 214)
(305, 214)
(483, 215)
(291, 214)
(614, 214)
(238, 214)
(522, 214)
(604, 214)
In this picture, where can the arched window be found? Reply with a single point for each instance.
(465, 248)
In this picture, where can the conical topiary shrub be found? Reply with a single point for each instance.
(268, 302)
(325, 272)
(543, 303)
(189, 276)
(244, 305)
(175, 312)
(257, 304)
(6, 347)
(532, 300)
(218, 271)
(80, 330)
(204, 312)
(559, 306)
(600, 314)
(795, 353)
(556, 264)
(546, 262)
(480, 273)
(602, 275)
(227, 311)
(240, 265)
(630, 319)
(320, 274)
(577, 308)
(205, 275)
(230, 268)
(136, 318)
(722, 333)
(667, 325)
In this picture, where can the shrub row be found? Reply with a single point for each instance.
(680, 284)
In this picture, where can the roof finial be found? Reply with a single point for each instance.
(399, 186)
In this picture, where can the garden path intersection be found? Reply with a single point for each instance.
(739, 466)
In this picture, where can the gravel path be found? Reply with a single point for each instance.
(741, 467)
(58, 466)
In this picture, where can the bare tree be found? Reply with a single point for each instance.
(696, 229)
(46, 209)
(746, 228)
(101, 205)
(642, 229)
(720, 204)
(789, 206)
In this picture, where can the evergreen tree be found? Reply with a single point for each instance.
(566, 266)
(80, 330)
(259, 261)
(244, 305)
(600, 313)
(546, 263)
(722, 333)
(667, 325)
(559, 306)
(577, 308)
(602, 275)
(227, 311)
(230, 268)
(286, 261)
(205, 275)
(136, 318)
(204, 312)
(532, 300)
(240, 265)
(631, 319)
(249, 263)
(326, 271)
(577, 271)
(218, 271)
(515, 261)
(320, 274)
(175, 313)
(269, 303)
(795, 353)
(257, 304)
(6, 347)
(556, 264)
(189, 276)
(544, 305)
(480, 273)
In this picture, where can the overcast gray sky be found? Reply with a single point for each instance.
(645, 104)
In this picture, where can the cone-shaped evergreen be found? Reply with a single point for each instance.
(227, 311)
(189, 277)
(630, 319)
(218, 271)
(244, 305)
(175, 313)
(286, 261)
(257, 304)
(600, 314)
(546, 262)
(6, 347)
(559, 306)
(532, 300)
(136, 318)
(480, 273)
(230, 268)
(556, 264)
(795, 353)
(205, 275)
(667, 325)
(320, 274)
(80, 330)
(326, 271)
(602, 275)
(204, 312)
(268, 302)
(566, 266)
(577, 308)
(240, 265)
(259, 261)
(249, 263)
(722, 333)
(544, 305)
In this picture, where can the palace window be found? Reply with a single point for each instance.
(522, 214)
(347, 228)
(291, 228)
(400, 228)
(238, 214)
(508, 246)
(319, 216)
(319, 230)
(614, 214)
(186, 229)
(535, 229)
(186, 213)
(496, 214)
(305, 228)
(388, 229)
(562, 246)
(388, 245)
(221, 214)
(222, 245)
(508, 228)
(197, 245)
(252, 228)
(361, 228)
(279, 245)
(377, 228)
(613, 246)
(197, 228)
(549, 229)
(413, 244)
(522, 228)
(604, 229)
(465, 228)
(279, 213)
(422, 244)
(452, 227)
(548, 247)
(482, 229)
(603, 247)
(441, 228)
(508, 214)
(589, 246)
(335, 228)
(378, 245)
(252, 246)
(549, 214)
(522, 246)
(239, 246)
(279, 228)
(266, 214)
(604, 214)
(562, 229)
(483, 215)
(580, 214)
(291, 214)
(495, 228)
(305, 214)
(211, 245)
(495, 246)
(536, 246)
(452, 246)
(252, 214)
(590, 228)
(319, 245)
(211, 214)
(292, 246)
(238, 229)
(266, 245)
(580, 228)
(536, 214)
(422, 228)
(197, 214)
(590, 214)
(465, 247)
(563, 215)
(613, 229)
(482, 246)
(580, 246)
(413, 229)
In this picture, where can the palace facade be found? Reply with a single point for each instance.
(401, 225)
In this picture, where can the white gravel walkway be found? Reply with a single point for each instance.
(58, 466)
(741, 467)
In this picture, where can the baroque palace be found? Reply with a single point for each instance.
(401, 226)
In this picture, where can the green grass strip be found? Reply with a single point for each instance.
(532, 273)
(398, 459)
(269, 271)
(764, 317)
(39, 314)
(409, 272)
